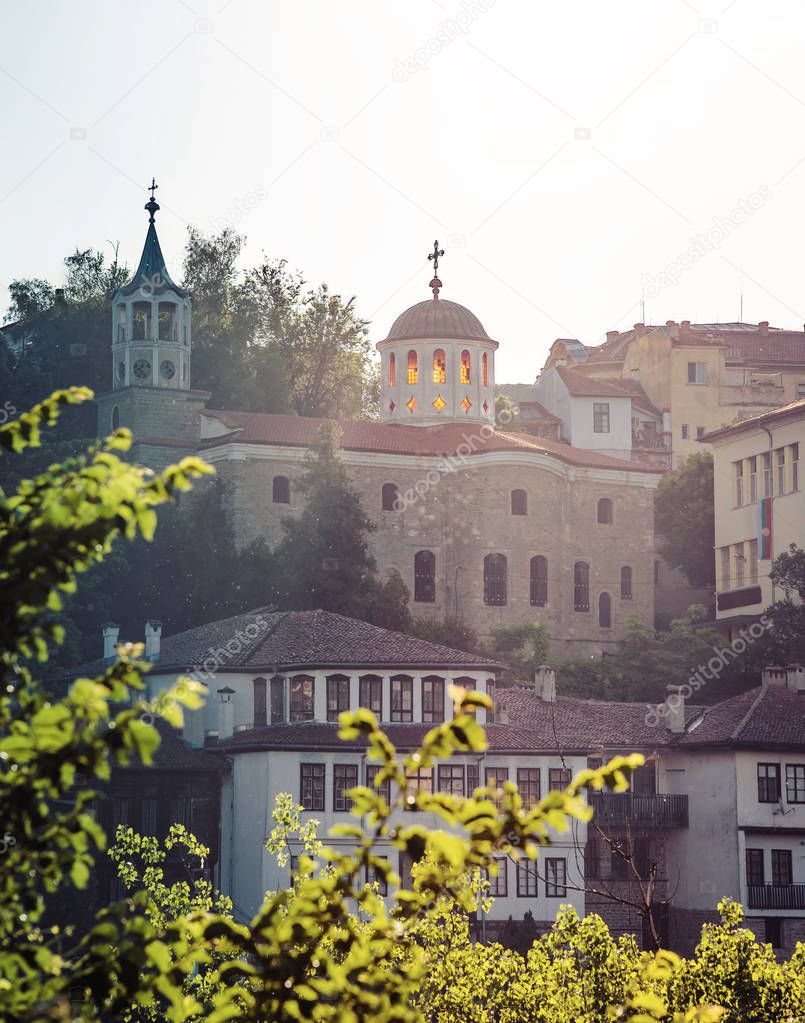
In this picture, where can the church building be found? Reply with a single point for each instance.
(496, 525)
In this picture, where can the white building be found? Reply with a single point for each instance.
(759, 507)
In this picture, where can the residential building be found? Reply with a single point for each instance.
(759, 507)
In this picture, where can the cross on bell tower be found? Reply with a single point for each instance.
(152, 205)
(435, 284)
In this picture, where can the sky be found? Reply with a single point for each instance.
(584, 165)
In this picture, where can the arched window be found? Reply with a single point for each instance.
(337, 696)
(259, 714)
(392, 370)
(539, 581)
(413, 367)
(465, 367)
(141, 321)
(281, 490)
(390, 496)
(605, 511)
(495, 579)
(168, 320)
(485, 370)
(626, 583)
(302, 698)
(277, 699)
(439, 366)
(424, 577)
(605, 611)
(433, 698)
(581, 586)
(519, 502)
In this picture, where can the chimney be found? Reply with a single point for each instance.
(670, 323)
(226, 714)
(110, 633)
(763, 327)
(640, 326)
(684, 323)
(611, 334)
(153, 635)
(774, 676)
(675, 702)
(545, 683)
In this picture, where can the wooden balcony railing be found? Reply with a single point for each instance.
(776, 896)
(627, 808)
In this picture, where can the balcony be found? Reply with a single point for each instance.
(629, 809)
(776, 896)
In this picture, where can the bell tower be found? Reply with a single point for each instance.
(151, 348)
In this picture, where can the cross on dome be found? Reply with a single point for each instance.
(152, 205)
(435, 284)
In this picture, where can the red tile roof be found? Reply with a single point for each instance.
(769, 716)
(793, 410)
(391, 438)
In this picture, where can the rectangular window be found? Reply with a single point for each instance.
(592, 858)
(337, 696)
(685, 431)
(774, 931)
(499, 883)
(417, 781)
(725, 568)
(753, 479)
(801, 389)
(795, 783)
(558, 778)
(766, 462)
(277, 699)
(781, 867)
(402, 698)
(768, 783)
(795, 466)
(451, 779)
(384, 789)
(740, 562)
(473, 778)
(345, 777)
(432, 698)
(370, 694)
(375, 876)
(490, 692)
(697, 373)
(699, 432)
(600, 417)
(780, 460)
(494, 779)
(260, 709)
(529, 785)
(754, 867)
(739, 482)
(626, 582)
(555, 877)
(657, 573)
(527, 880)
(311, 786)
(301, 698)
(752, 561)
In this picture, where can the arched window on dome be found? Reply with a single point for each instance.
(424, 577)
(465, 367)
(581, 586)
(539, 581)
(485, 370)
(519, 499)
(495, 579)
(392, 370)
(413, 368)
(605, 611)
(439, 366)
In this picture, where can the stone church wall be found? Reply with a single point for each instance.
(465, 515)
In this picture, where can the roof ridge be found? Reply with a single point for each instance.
(735, 733)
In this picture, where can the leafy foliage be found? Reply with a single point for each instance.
(684, 519)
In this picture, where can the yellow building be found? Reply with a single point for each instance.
(759, 507)
(703, 376)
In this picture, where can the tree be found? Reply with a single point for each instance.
(784, 640)
(323, 558)
(449, 631)
(29, 298)
(685, 520)
(522, 648)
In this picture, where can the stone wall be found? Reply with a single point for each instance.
(466, 514)
(165, 423)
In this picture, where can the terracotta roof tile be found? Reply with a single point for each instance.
(383, 438)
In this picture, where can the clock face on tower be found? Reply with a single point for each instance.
(167, 369)
(142, 369)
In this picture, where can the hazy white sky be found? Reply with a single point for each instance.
(564, 154)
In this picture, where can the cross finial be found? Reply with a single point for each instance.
(435, 284)
(152, 205)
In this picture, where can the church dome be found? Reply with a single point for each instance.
(437, 318)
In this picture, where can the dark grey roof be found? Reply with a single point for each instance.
(265, 640)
